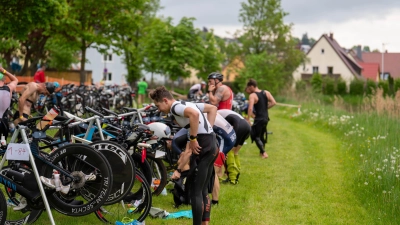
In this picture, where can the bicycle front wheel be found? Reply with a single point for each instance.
(92, 182)
(135, 205)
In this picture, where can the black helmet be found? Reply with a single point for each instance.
(216, 75)
(50, 87)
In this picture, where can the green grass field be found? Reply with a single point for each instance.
(325, 166)
(304, 181)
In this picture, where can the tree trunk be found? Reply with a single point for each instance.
(83, 59)
(26, 62)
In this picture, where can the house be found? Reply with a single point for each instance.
(230, 71)
(391, 63)
(327, 58)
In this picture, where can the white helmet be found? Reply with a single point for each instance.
(161, 130)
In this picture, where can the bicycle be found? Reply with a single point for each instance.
(3, 208)
(73, 162)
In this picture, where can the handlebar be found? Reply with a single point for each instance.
(109, 111)
(87, 108)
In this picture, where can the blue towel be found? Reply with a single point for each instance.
(179, 214)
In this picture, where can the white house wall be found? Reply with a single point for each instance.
(324, 60)
(95, 63)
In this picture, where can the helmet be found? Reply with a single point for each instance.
(203, 82)
(160, 130)
(216, 75)
(51, 86)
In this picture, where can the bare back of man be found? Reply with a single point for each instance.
(30, 95)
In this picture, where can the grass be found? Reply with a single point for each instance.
(305, 181)
(371, 147)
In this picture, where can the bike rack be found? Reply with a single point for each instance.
(34, 168)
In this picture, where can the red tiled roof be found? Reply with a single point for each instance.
(391, 61)
(370, 70)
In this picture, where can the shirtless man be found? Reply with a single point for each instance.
(29, 96)
(219, 94)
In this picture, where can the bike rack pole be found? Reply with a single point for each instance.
(35, 171)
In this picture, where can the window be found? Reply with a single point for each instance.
(322, 51)
(107, 57)
(385, 76)
(315, 69)
(109, 76)
(330, 70)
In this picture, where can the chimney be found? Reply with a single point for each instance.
(331, 36)
(359, 52)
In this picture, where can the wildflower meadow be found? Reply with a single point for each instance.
(371, 143)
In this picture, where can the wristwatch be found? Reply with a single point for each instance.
(192, 137)
(179, 170)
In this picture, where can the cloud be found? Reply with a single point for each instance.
(206, 12)
(310, 11)
(226, 12)
(353, 22)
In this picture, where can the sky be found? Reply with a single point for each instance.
(370, 23)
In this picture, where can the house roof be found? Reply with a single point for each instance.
(391, 61)
(369, 70)
(353, 66)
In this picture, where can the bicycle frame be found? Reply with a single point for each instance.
(20, 189)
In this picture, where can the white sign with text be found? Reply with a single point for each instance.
(18, 152)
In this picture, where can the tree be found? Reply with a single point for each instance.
(305, 40)
(174, 50)
(212, 57)
(27, 24)
(265, 34)
(264, 68)
(99, 24)
(366, 49)
(312, 41)
(61, 55)
(131, 38)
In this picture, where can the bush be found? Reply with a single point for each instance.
(370, 87)
(301, 85)
(384, 85)
(396, 85)
(356, 87)
(341, 87)
(328, 86)
(316, 83)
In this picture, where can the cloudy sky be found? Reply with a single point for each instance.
(353, 22)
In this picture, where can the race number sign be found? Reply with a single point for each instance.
(18, 152)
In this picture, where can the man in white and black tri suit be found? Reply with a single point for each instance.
(202, 147)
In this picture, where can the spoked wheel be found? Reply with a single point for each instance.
(136, 205)
(28, 214)
(158, 172)
(92, 182)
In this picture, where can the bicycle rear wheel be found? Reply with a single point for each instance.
(80, 161)
(158, 172)
(122, 166)
(136, 205)
(3, 208)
